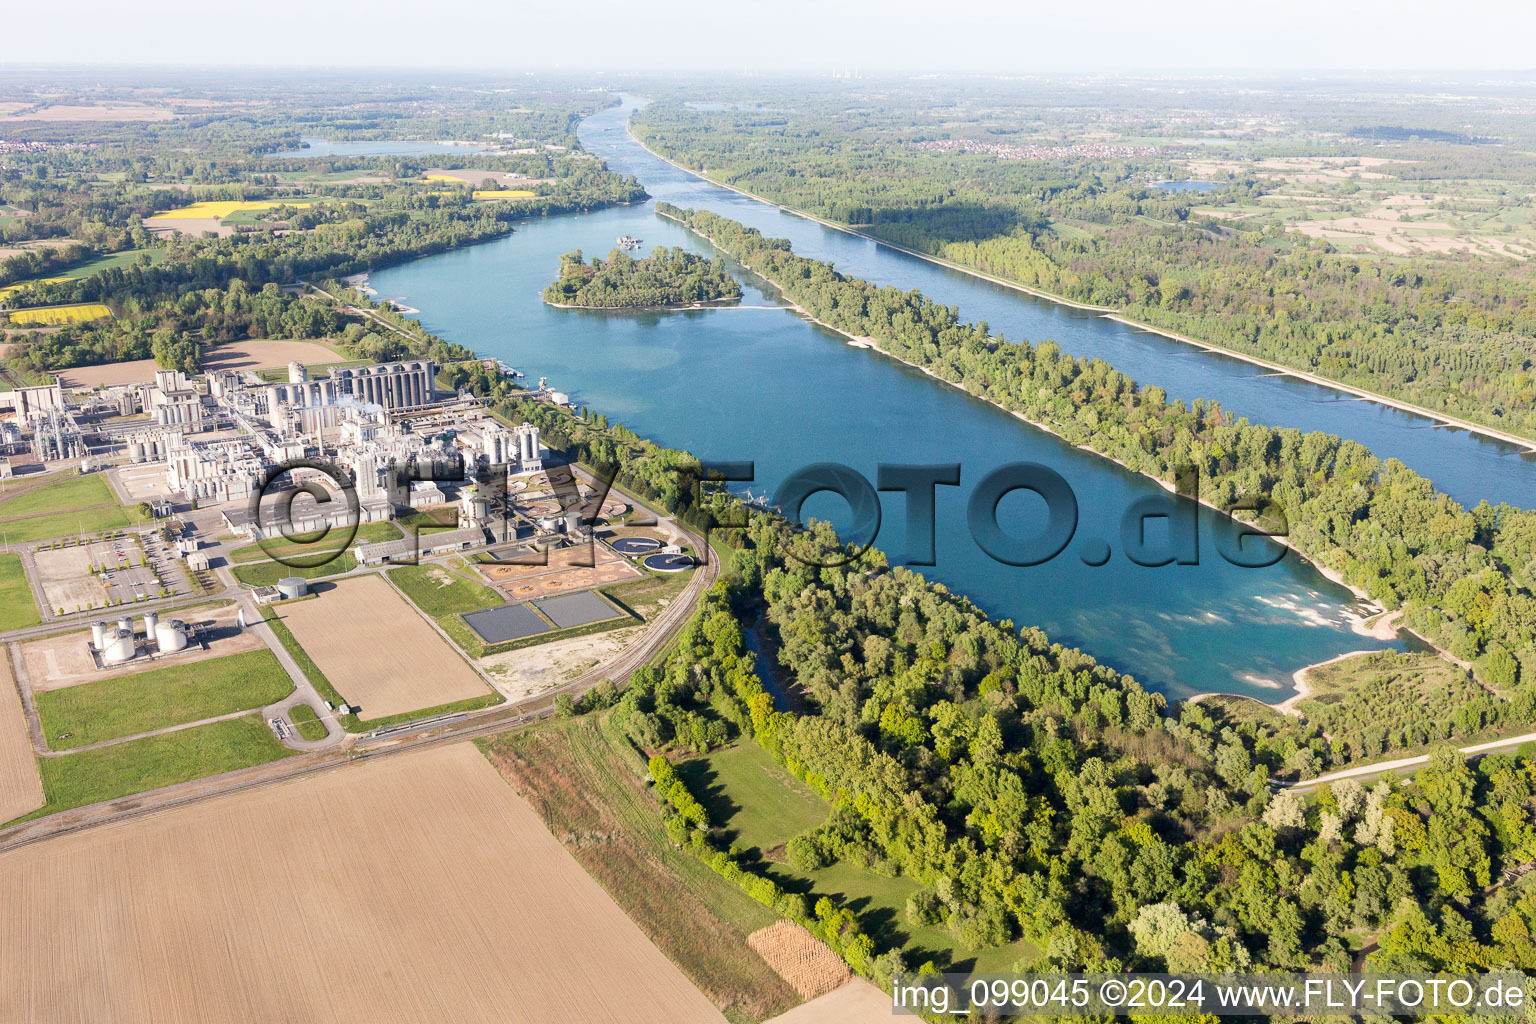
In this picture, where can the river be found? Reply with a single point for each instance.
(762, 384)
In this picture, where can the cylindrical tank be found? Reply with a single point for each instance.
(120, 648)
(135, 452)
(126, 622)
(151, 619)
(99, 636)
(171, 636)
(293, 586)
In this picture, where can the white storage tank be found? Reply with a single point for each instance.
(126, 622)
(293, 586)
(99, 636)
(120, 648)
(171, 636)
(150, 620)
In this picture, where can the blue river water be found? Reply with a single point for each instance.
(760, 383)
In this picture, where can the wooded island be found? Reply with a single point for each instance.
(665, 278)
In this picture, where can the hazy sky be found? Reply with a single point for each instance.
(790, 35)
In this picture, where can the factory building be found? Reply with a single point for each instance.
(395, 386)
(517, 449)
(31, 403)
(172, 402)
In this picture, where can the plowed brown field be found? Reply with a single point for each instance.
(416, 888)
(377, 651)
(20, 789)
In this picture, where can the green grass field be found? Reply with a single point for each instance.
(745, 792)
(17, 608)
(305, 545)
(112, 708)
(583, 778)
(307, 722)
(762, 806)
(69, 524)
(115, 260)
(649, 596)
(266, 574)
(58, 495)
(438, 591)
(138, 766)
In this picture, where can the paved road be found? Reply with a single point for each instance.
(329, 754)
(1370, 771)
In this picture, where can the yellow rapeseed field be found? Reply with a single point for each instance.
(8, 289)
(49, 316)
(504, 193)
(218, 209)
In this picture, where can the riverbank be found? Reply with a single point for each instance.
(1525, 444)
(1371, 620)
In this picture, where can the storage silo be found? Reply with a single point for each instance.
(135, 452)
(99, 636)
(126, 622)
(293, 586)
(120, 649)
(171, 636)
(150, 621)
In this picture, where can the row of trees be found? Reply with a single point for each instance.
(1037, 794)
(1460, 576)
(1448, 333)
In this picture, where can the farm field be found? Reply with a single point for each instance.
(76, 716)
(237, 355)
(857, 1002)
(426, 919)
(48, 316)
(18, 609)
(20, 788)
(138, 766)
(90, 268)
(219, 209)
(585, 780)
(355, 631)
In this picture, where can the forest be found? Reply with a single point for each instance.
(1033, 793)
(1448, 333)
(667, 277)
(1460, 577)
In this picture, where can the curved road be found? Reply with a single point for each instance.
(335, 754)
